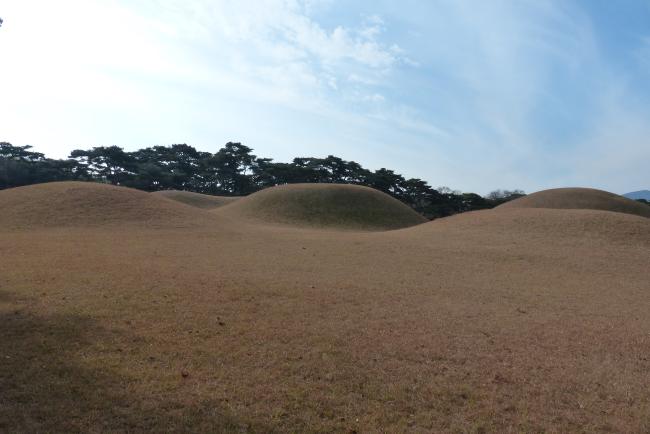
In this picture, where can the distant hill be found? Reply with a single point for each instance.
(636, 195)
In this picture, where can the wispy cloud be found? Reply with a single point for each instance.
(510, 94)
(277, 42)
(523, 85)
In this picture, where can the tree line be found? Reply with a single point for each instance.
(232, 171)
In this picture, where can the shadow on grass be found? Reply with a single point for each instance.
(47, 385)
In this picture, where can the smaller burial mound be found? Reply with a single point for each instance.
(521, 224)
(579, 198)
(88, 204)
(198, 200)
(326, 206)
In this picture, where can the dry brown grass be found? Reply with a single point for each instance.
(80, 204)
(198, 200)
(523, 320)
(334, 206)
(579, 198)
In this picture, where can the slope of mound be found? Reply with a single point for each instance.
(521, 225)
(336, 206)
(579, 198)
(197, 200)
(80, 204)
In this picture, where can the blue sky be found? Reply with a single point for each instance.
(469, 94)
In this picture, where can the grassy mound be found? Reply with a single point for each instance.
(521, 225)
(335, 206)
(197, 200)
(579, 198)
(68, 204)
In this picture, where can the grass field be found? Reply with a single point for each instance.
(124, 311)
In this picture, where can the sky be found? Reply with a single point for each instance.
(473, 95)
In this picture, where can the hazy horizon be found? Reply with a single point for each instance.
(477, 97)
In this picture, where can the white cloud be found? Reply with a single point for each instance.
(137, 73)
(498, 70)
(271, 33)
(459, 97)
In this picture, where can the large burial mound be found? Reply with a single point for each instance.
(579, 198)
(82, 204)
(333, 206)
(197, 200)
